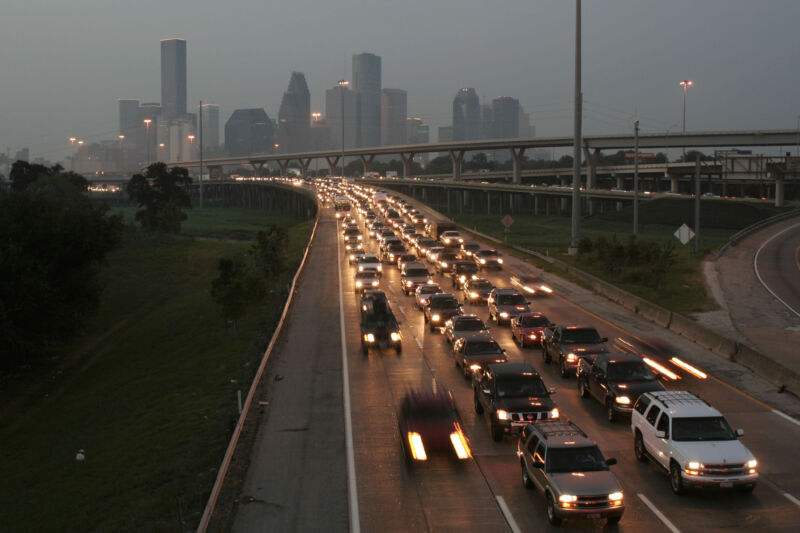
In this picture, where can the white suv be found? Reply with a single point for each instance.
(691, 441)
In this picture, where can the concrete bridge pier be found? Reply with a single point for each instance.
(305, 162)
(535, 205)
(284, 164)
(516, 158)
(366, 161)
(456, 156)
(332, 162)
(564, 183)
(258, 168)
(674, 183)
(407, 159)
(779, 191)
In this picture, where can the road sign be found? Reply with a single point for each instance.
(684, 234)
(507, 221)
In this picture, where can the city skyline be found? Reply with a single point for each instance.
(527, 56)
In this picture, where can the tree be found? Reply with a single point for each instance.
(270, 251)
(440, 165)
(162, 193)
(235, 289)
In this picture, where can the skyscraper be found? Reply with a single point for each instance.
(505, 114)
(333, 111)
(367, 87)
(128, 119)
(294, 117)
(393, 117)
(417, 132)
(173, 78)
(210, 116)
(466, 115)
(249, 131)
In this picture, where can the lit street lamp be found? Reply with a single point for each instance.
(316, 116)
(121, 156)
(191, 145)
(72, 156)
(685, 84)
(147, 122)
(342, 85)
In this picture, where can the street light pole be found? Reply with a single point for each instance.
(342, 85)
(685, 84)
(636, 178)
(200, 182)
(147, 122)
(72, 155)
(576, 153)
(316, 115)
(121, 152)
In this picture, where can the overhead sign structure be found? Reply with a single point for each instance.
(684, 234)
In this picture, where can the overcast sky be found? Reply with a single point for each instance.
(65, 64)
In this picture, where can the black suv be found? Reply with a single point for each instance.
(440, 308)
(513, 394)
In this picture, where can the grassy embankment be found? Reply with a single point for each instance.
(683, 290)
(148, 391)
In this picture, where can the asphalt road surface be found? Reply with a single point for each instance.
(777, 265)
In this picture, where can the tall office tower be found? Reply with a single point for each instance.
(417, 132)
(249, 131)
(486, 121)
(367, 86)
(209, 115)
(505, 113)
(445, 134)
(294, 117)
(466, 115)
(394, 103)
(128, 119)
(524, 124)
(173, 78)
(333, 110)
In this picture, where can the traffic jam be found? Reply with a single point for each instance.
(475, 306)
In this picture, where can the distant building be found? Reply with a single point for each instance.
(23, 154)
(294, 116)
(249, 131)
(129, 120)
(367, 87)
(445, 134)
(173, 78)
(181, 147)
(524, 124)
(486, 121)
(336, 116)
(394, 103)
(466, 115)
(417, 132)
(505, 118)
(209, 114)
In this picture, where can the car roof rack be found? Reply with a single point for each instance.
(558, 428)
(672, 398)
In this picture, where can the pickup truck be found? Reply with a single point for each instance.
(616, 380)
(568, 343)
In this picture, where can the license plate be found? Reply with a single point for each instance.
(593, 515)
(726, 484)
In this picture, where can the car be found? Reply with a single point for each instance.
(461, 271)
(476, 291)
(369, 261)
(429, 422)
(391, 252)
(469, 248)
(568, 343)
(488, 258)
(568, 468)
(513, 395)
(352, 244)
(423, 293)
(440, 308)
(616, 380)
(423, 244)
(445, 261)
(504, 304)
(366, 279)
(403, 259)
(412, 276)
(352, 231)
(526, 329)
(369, 297)
(460, 325)
(353, 256)
(379, 327)
(433, 255)
(531, 284)
(692, 442)
(474, 351)
(451, 238)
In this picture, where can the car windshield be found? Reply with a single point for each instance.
(702, 428)
(534, 321)
(466, 268)
(416, 272)
(352, 232)
(482, 347)
(367, 259)
(444, 303)
(429, 289)
(630, 371)
(482, 285)
(472, 324)
(582, 336)
(511, 299)
(487, 253)
(578, 459)
(520, 387)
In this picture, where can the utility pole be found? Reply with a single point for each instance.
(697, 203)
(201, 154)
(576, 152)
(636, 178)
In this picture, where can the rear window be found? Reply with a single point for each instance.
(583, 459)
(416, 272)
(534, 321)
(482, 347)
(581, 336)
(511, 299)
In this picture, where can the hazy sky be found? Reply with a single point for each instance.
(65, 64)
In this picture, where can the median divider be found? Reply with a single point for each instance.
(767, 368)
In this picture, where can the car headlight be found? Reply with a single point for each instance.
(571, 357)
(752, 463)
(462, 278)
(693, 465)
(502, 414)
(409, 283)
(380, 268)
(435, 318)
(375, 283)
(532, 336)
(369, 337)
(567, 498)
(546, 289)
(460, 444)
(431, 282)
(395, 336)
(500, 260)
(483, 261)
(474, 367)
(624, 400)
(416, 446)
(447, 241)
(554, 412)
(615, 497)
(346, 246)
(360, 237)
(473, 294)
(359, 284)
(460, 241)
(503, 314)
(444, 264)
(361, 269)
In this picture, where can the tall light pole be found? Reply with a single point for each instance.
(636, 178)
(316, 116)
(685, 84)
(121, 157)
(191, 138)
(80, 145)
(576, 152)
(72, 156)
(797, 147)
(200, 182)
(147, 122)
(342, 85)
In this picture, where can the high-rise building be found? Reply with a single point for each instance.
(367, 86)
(173, 78)
(294, 117)
(524, 124)
(505, 118)
(181, 146)
(249, 131)
(335, 117)
(466, 115)
(417, 132)
(209, 114)
(394, 103)
(486, 121)
(445, 134)
(129, 119)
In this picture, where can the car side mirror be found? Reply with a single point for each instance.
(611, 461)
(538, 464)
(739, 432)
(660, 434)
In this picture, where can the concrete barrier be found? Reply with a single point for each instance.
(767, 368)
(710, 340)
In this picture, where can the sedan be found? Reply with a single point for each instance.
(526, 329)
(423, 293)
(429, 422)
(462, 325)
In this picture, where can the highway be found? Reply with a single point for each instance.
(777, 265)
(486, 493)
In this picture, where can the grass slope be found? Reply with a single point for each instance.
(149, 392)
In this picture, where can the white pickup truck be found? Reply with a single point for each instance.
(692, 442)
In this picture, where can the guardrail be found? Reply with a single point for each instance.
(740, 235)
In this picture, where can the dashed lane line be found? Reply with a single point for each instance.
(659, 514)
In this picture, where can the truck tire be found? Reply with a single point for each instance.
(675, 479)
(639, 451)
(478, 406)
(550, 508)
(497, 431)
(527, 482)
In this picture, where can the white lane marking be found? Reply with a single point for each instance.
(419, 343)
(758, 275)
(352, 490)
(507, 513)
(792, 499)
(787, 417)
(659, 514)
